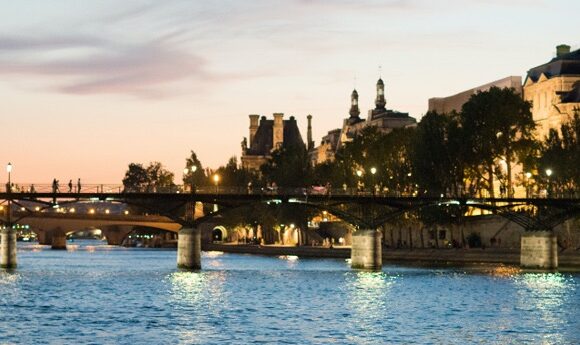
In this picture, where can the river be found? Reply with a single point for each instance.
(97, 294)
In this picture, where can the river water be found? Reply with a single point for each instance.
(96, 294)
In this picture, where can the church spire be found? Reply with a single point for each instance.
(354, 110)
(380, 101)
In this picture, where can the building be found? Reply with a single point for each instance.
(554, 89)
(385, 120)
(445, 105)
(269, 135)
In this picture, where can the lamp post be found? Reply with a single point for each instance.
(186, 172)
(9, 170)
(528, 176)
(549, 173)
(373, 172)
(9, 190)
(216, 179)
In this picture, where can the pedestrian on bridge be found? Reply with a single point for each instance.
(79, 185)
(70, 185)
(55, 186)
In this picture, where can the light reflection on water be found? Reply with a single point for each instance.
(108, 295)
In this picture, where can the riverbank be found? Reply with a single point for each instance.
(567, 259)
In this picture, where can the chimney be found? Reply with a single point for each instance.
(278, 131)
(253, 127)
(310, 143)
(562, 49)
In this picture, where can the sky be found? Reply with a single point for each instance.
(88, 87)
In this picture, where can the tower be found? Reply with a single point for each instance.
(253, 127)
(278, 131)
(380, 101)
(309, 141)
(354, 110)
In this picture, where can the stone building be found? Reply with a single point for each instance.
(269, 135)
(554, 89)
(445, 105)
(385, 120)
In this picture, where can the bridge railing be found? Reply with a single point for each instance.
(110, 188)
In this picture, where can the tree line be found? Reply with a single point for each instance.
(455, 154)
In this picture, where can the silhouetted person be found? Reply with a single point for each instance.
(32, 189)
(70, 185)
(55, 186)
(79, 185)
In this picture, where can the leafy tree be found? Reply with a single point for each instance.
(288, 167)
(497, 125)
(160, 179)
(233, 175)
(153, 178)
(197, 178)
(561, 153)
(436, 155)
(136, 178)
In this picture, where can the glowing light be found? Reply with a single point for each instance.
(528, 174)
(216, 178)
(107, 211)
(72, 210)
(92, 211)
(373, 170)
(126, 212)
(549, 172)
(359, 173)
(37, 208)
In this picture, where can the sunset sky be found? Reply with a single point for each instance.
(88, 87)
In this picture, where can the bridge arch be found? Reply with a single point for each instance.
(219, 234)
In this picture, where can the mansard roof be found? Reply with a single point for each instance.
(567, 64)
(263, 140)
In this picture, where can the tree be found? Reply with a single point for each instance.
(436, 155)
(560, 153)
(233, 175)
(153, 178)
(497, 125)
(160, 179)
(197, 177)
(288, 167)
(136, 178)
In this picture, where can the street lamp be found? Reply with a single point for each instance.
(9, 190)
(186, 172)
(548, 173)
(9, 170)
(359, 174)
(216, 179)
(373, 172)
(528, 177)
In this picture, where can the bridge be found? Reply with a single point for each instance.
(53, 228)
(365, 211)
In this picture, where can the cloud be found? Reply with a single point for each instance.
(107, 67)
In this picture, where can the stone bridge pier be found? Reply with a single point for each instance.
(116, 234)
(189, 248)
(539, 250)
(366, 252)
(53, 237)
(8, 248)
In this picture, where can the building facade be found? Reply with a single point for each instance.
(267, 136)
(445, 105)
(385, 120)
(554, 89)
